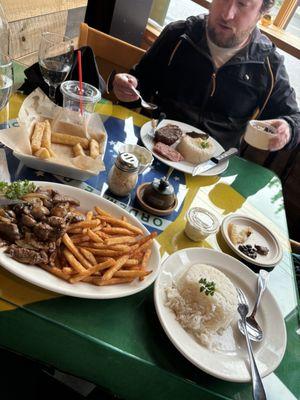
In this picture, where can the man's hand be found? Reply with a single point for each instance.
(282, 136)
(122, 86)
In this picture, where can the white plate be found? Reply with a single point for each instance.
(260, 235)
(39, 277)
(183, 166)
(230, 363)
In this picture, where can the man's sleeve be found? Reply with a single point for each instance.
(150, 70)
(282, 103)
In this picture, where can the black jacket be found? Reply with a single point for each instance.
(178, 72)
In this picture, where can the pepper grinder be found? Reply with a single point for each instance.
(160, 193)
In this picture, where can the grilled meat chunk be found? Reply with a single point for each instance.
(60, 210)
(55, 221)
(168, 134)
(3, 243)
(167, 152)
(39, 212)
(42, 231)
(28, 220)
(30, 242)
(27, 256)
(73, 217)
(9, 231)
(58, 198)
(34, 227)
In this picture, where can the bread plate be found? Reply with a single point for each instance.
(260, 235)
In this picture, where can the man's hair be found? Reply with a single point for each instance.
(266, 6)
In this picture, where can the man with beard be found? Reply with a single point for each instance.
(217, 72)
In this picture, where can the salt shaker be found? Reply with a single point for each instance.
(123, 176)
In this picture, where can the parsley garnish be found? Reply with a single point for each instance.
(204, 144)
(207, 287)
(16, 190)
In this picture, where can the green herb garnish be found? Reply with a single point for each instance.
(204, 144)
(16, 190)
(207, 287)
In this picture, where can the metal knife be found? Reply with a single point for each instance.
(155, 123)
(214, 161)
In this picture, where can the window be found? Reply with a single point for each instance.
(292, 66)
(166, 11)
(294, 24)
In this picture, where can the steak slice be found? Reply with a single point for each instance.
(9, 231)
(27, 256)
(168, 134)
(167, 152)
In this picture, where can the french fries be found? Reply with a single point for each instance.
(46, 139)
(42, 153)
(78, 150)
(42, 138)
(94, 148)
(69, 140)
(36, 137)
(103, 250)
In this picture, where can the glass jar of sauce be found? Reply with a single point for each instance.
(200, 224)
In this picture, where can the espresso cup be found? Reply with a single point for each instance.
(258, 134)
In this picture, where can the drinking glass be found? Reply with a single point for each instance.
(6, 79)
(55, 59)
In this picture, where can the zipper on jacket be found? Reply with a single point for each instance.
(213, 80)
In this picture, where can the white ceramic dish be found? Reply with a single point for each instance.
(260, 235)
(183, 166)
(231, 363)
(140, 152)
(39, 277)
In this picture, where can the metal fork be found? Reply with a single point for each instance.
(258, 390)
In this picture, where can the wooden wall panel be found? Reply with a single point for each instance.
(16, 10)
(26, 34)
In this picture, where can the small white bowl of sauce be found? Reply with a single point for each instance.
(200, 224)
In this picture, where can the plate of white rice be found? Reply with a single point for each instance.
(184, 166)
(203, 326)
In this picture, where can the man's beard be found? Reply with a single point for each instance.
(227, 42)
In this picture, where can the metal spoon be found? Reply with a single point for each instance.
(258, 390)
(144, 104)
(254, 330)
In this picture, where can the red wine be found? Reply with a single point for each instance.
(54, 72)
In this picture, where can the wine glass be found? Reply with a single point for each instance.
(6, 79)
(55, 59)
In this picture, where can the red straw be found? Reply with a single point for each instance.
(80, 80)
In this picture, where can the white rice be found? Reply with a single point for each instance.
(190, 148)
(202, 315)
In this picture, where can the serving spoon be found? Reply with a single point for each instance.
(144, 104)
(254, 330)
